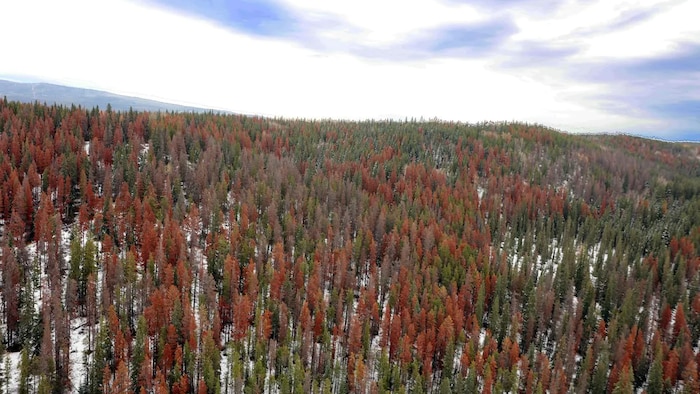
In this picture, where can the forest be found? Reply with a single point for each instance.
(208, 253)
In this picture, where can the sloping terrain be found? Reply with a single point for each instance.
(222, 253)
(46, 93)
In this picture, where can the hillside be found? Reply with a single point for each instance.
(46, 93)
(153, 252)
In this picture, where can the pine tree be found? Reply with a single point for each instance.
(24, 372)
(211, 364)
(121, 383)
(4, 371)
(624, 384)
(690, 378)
(600, 376)
(44, 386)
(656, 374)
(11, 292)
(8, 370)
(29, 327)
(138, 353)
(445, 387)
(101, 358)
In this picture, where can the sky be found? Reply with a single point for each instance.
(580, 66)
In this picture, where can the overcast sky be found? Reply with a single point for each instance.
(581, 66)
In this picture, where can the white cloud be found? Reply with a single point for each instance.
(659, 35)
(129, 48)
(387, 21)
(586, 24)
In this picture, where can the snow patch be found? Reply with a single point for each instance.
(78, 359)
(11, 376)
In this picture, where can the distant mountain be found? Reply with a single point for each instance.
(88, 98)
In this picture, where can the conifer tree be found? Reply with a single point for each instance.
(624, 384)
(600, 376)
(656, 374)
(24, 365)
(4, 371)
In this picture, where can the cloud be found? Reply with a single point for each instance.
(582, 66)
(630, 18)
(534, 6)
(684, 110)
(665, 87)
(683, 65)
(467, 41)
(686, 60)
(640, 63)
(463, 40)
(257, 17)
(662, 32)
(417, 32)
(664, 95)
(533, 54)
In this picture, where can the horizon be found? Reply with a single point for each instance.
(594, 67)
(216, 111)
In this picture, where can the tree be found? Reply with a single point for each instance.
(121, 383)
(24, 365)
(138, 354)
(690, 378)
(46, 362)
(624, 384)
(101, 359)
(282, 240)
(671, 367)
(211, 364)
(11, 295)
(241, 319)
(656, 378)
(3, 374)
(600, 376)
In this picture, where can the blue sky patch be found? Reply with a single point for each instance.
(685, 63)
(469, 39)
(537, 54)
(454, 41)
(686, 109)
(256, 17)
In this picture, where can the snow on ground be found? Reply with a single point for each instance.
(224, 371)
(551, 260)
(12, 376)
(592, 258)
(78, 346)
(78, 327)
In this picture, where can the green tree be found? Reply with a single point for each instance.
(102, 357)
(24, 371)
(600, 376)
(211, 364)
(138, 354)
(8, 368)
(30, 329)
(472, 383)
(656, 374)
(481, 299)
(624, 384)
